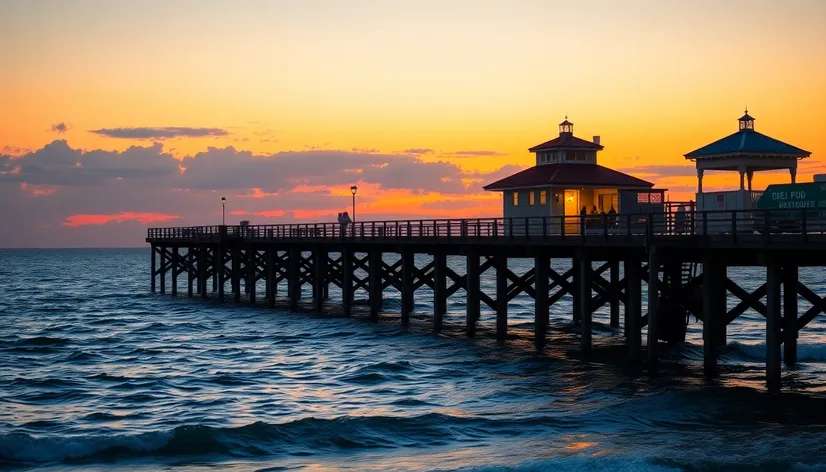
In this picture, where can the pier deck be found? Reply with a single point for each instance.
(653, 248)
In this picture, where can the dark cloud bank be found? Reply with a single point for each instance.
(57, 164)
(165, 132)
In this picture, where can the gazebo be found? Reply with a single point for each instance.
(745, 152)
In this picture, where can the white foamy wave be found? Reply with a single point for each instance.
(24, 448)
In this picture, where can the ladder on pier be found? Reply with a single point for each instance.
(688, 273)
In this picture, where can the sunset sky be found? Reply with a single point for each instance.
(119, 115)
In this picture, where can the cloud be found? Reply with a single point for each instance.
(229, 168)
(476, 153)
(166, 132)
(60, 196)
(14, 150)
(418, 151)
(142, 218)
(366, 150)
(60, 128)
(58, 164)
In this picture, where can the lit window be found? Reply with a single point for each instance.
(515, 198)
(642, 198)
(656, 198)
(531, 198)
(543, 197)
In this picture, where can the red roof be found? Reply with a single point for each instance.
(568, 174)
(566, 141)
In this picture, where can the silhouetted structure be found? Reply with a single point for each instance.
(375, 256)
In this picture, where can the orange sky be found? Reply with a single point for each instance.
(474, 82)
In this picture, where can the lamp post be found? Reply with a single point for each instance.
(223, 211)
(353, 190)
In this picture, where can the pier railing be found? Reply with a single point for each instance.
(751, 224)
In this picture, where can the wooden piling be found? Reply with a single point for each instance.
(614, 293)
(214, 269)
(713, 313)
(633, 308)
(542, 266)
(190, 271)
(320, 265)
(163, 269)
(202, 272)
(294, 277)
(439, 289)
(236, 274)
(501, 263)
(196, 269)
(585, 273)
(375, 283)
(270, 277)
(790, 332)
(473, 291)
(346, 281)
(653, 306)
(175, 256)
(575, 298)
(154, 249)
(220, 270)
(773, 324)
(720, 327)
(407, 285)
(252, 272)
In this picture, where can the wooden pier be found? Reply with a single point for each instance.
(610, 259)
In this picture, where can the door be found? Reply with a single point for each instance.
(572, 211)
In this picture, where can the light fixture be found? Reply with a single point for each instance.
(223, 211)
(353, 190)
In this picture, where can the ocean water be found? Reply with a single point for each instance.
(96, 373)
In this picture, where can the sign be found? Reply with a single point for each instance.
(793, 196)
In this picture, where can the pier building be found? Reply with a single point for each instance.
(567, 181)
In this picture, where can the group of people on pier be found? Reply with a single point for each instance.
(344, 221)
(599, 218)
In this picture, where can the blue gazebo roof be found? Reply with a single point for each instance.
(747, 142)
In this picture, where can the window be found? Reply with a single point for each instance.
(532, 198)
(645, 197)
(515, 198)
(543, 197)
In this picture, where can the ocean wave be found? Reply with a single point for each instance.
(576, 463)
(306, 436)
(806, 352)
(715, 407)
(38, 341)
